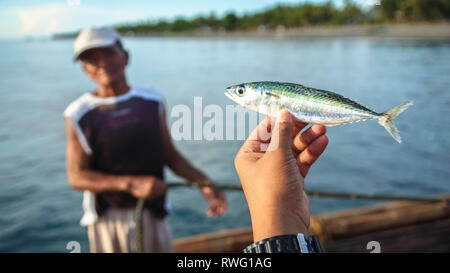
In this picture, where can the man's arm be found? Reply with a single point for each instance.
(182, 167)
(176, 161)
(81, 177)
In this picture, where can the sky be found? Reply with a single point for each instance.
(19, 18)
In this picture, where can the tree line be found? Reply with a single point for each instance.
(415, 10)
(281, 15)
(291, 16)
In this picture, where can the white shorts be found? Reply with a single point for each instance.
(114, 232)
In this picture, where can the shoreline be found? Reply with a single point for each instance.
(397, 31)
(432, 31)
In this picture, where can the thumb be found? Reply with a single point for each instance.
(282, 133)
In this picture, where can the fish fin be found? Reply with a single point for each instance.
(330, 124)
(386, 120)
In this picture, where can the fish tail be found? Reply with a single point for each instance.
(386, 120)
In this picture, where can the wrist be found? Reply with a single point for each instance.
(266, 224)
(204, 182)
(126, 186)
(129, 183)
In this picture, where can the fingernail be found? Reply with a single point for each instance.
(284, 116)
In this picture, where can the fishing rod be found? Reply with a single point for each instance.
(322, 194)
(319, 194)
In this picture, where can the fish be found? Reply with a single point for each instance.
(310, 105)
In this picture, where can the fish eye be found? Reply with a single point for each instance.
(240, 91)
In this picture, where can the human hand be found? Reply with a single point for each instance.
(216, 200)
(147, 187)
(272, 169)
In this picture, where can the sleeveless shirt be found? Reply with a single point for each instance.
(122, 136)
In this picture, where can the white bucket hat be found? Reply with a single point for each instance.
(94, 37)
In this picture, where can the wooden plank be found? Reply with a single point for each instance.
(354, 222)
(398, 226)
(427, 237)
(227, 241)
(357, 212)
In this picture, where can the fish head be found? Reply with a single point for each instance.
(247, 95)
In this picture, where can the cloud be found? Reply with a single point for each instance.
(53, 18)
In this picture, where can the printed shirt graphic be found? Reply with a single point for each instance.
(122, 135)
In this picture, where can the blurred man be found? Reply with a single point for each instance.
(117, 146)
